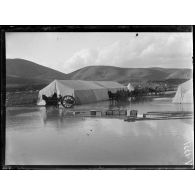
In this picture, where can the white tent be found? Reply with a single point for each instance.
(130, 87)
(184, 93)
(82, 91)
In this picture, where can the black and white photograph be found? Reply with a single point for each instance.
(120, 98)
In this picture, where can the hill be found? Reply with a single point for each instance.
(125, 75)
(26, 74)
(181, 74)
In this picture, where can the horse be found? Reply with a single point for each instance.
(112, 96)
(51, 100)
(119, 95)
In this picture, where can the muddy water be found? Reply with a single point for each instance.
(40, 136)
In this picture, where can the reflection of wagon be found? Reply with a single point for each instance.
(67, 101)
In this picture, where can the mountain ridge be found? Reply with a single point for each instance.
(21, 73)
(122, 74)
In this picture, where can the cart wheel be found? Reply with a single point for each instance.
(68, 101)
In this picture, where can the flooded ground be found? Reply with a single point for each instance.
(40, 136)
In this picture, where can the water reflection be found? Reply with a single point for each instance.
(45, 136)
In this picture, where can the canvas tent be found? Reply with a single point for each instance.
(130, 87)
(184, 93)
(82, 91)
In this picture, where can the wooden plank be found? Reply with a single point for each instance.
(181, 112)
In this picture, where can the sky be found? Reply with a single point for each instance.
(67, 51)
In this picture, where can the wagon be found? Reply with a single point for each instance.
(66, 101)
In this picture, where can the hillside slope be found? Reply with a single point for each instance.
(29, 75)
(27, 69)
(129, 74)
(21, 73)
(181, 74)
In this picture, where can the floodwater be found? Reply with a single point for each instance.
(40, 136)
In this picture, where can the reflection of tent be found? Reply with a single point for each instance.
(82, 91)
(130, 87)
(184, 93)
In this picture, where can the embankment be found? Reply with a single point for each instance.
(22, 98)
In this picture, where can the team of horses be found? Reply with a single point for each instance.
(122, 95)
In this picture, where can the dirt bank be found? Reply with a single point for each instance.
(22, 98)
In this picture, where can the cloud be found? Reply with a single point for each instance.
(82, 58)
(146, 50)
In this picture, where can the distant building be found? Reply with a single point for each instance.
(130, 87)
